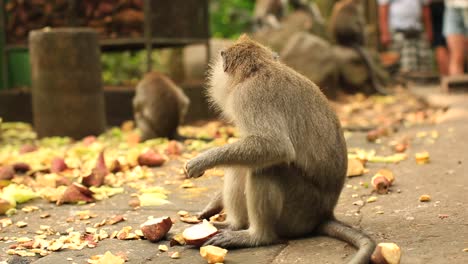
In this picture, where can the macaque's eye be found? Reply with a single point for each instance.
(275, 56)
(222, 53)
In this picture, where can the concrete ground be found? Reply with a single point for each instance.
(432, 232)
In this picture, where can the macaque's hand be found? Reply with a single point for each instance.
(193, 169)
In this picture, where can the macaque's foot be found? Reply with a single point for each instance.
(193, 169)
(231, 239)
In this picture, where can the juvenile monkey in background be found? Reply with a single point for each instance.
(284, 175)
(159, 106)
(347, 28)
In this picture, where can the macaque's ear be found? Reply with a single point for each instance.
(275, 56)
(244, 38)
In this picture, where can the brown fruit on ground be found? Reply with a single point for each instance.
(380, 183)
(150, 159)
(27, 148)
(155, 229)
(213, 254)
(7, 172)
(198, 234)
(386, 253)
(21, 167)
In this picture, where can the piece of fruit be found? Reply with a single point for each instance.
(372, 135)
(401, 147)
(134, 202)
(388, 174)
(21, 167)
(174, 148)
(7, 172)
(213, 254)
(163, 248)
(27, 148)
(177, 239)
(115, 167)
(76, 193)
(88, 140)
(190, 219)
(422, 157)
(424, 198)
(386, 253)
(198, 234)
(58, 165)
(151, 159)
(380, 183)
(175, 255)
(5, 205)
(155, 229)
(355, 168)
(221, 217)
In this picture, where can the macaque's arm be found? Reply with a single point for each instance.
(251, 151)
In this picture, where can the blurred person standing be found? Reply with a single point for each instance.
(456, 32)
(439, 43)
(405, 27)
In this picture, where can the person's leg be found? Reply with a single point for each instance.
(455, 35)
(456, 44)
(439, 43)
(442, 57)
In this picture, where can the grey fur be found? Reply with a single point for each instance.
(159, 106)
(285, 173)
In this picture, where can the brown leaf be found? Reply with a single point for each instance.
(76, 193)
(96, 178)
(58, 165)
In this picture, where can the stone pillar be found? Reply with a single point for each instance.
(67, 94)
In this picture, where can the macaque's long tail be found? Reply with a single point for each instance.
(361, 241)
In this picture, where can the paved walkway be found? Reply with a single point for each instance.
(433, 232)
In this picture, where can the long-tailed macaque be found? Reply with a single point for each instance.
(159, 106)
(347, 28)
(284, 175)
(268, 13)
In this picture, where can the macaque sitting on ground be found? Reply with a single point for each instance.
(347, 29)
(159, 106)
(284, 175)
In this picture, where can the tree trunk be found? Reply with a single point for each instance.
(67, 94)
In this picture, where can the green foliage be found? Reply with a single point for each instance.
(229, 18)
(126, 68)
